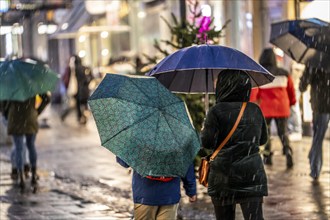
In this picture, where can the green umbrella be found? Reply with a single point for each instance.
(144, 124)
(22, 79)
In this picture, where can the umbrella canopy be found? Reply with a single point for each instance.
(195, 69)
(144, 124)
(22, 79)
(305, 41)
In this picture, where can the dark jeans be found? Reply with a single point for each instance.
(320, 126)
(19, 145)
(251, 211)
(282, 131)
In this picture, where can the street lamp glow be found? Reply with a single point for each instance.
(82, 38)
(4, 5)
(104, 34)
(82, 53)
(17, 29)
(5, 30)
(142, 14)
(46, 28)
(105, 52)
(42, 29)
(206, 10)
(64, 26)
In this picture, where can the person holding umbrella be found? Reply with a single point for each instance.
(319, 80)
(237, 174)
(275, 100)
(150, 130)
(23, 123)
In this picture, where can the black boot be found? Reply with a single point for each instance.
(268, 158)
(289, 160)
(26, 170)
(34, 177)
(21, 181)
(14, 174)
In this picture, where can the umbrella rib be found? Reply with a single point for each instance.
(302, 56)
(172, 80)
(191, 81)
(173, 116)
(252, 78)
(143, 92)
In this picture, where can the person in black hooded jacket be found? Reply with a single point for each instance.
(237, 174)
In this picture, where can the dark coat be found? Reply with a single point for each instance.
(237, 171)
(320, 88)
(84, 77)
(23, 116)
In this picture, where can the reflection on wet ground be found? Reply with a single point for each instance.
(79, 179)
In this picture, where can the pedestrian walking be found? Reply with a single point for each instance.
(237, 174)
(318, 80)
(275, 100)
(76, 79)
(158, 198)
(23, 123)
(14, 172)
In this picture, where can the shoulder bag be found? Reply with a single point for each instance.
(204, 167)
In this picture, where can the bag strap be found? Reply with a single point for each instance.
(230, 133)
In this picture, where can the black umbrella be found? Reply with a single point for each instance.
(306, 41)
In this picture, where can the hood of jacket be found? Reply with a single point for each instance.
(268, 58)
(233, 86)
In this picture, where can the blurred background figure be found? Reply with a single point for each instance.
(4, 124)
(76, 79)
(295, 119)
(275, 100)
(23, 123)
(320, 100)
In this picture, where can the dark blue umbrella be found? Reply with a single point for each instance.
(305, 41)
(195, 69)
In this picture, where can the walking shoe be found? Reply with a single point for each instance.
(14, 174)
(21, 181)
(26, 170)
(289, 160)
(35, 176)
(268, 159)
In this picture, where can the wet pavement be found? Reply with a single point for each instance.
(79, 179)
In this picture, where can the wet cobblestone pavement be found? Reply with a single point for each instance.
(79, 179)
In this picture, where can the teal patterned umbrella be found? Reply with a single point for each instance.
(21, 79)
(144, 124)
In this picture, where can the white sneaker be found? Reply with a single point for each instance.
(295, 137)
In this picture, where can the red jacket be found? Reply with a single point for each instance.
(276, 98)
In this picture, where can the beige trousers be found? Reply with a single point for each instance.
(147, 212)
